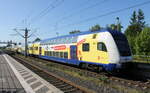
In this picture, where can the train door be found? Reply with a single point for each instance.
(40, 50)
(73, 52)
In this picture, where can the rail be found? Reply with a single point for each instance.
(110, 78)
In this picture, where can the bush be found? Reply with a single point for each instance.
(143, 42)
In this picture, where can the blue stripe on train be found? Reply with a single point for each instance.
(108, 67)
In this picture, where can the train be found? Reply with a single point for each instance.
(104, 49)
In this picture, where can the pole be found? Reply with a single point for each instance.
(26, 42)
(25, 36)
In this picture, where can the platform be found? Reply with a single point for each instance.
(15, 78)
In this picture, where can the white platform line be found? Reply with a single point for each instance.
(24, 84)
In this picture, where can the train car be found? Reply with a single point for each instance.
(105, 48)
(30, 49)
(34, 49)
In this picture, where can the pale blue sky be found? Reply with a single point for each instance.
(14, 12)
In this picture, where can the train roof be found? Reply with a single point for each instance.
(113, 32)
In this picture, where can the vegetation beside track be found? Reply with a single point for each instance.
(102, 81)
(141, 59)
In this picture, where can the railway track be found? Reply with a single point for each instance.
(113, 79)
(61, 83)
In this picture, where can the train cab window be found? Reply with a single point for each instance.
(65, 55)
(101, 46)
(85, 47)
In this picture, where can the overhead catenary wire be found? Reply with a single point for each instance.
(83, 10)
(50, 7)
(106, 14)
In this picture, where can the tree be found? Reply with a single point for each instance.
(113, 27)
(143, 42)
(37, 39)
(95, 27)
(132, 32)
(74, 31)
(140, 18)
(133, 18)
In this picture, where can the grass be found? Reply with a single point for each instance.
(141, 59)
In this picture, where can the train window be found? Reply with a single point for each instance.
(65, 55)
(54, 54)
(85, 47)
(50, 53)
(101, 46)
(74, 40)
(36, 48)
(57, 54)
(45, 53)
(122, 44)
(61, 54)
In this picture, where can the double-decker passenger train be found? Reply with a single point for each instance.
(105, 48)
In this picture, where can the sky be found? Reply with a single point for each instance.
(50, 18)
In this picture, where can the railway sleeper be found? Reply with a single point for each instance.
(67, 87)
(63, 85)
(51, 80)
(58, 83)
(71, 90)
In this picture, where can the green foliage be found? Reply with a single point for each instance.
(113, 27)
(140, 18)
(116, 27)
(133, 18)
(74, 31)
(132, 32)
(131, 41)
(143, 42)
(95, 27)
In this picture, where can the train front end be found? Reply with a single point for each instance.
(123, 51)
